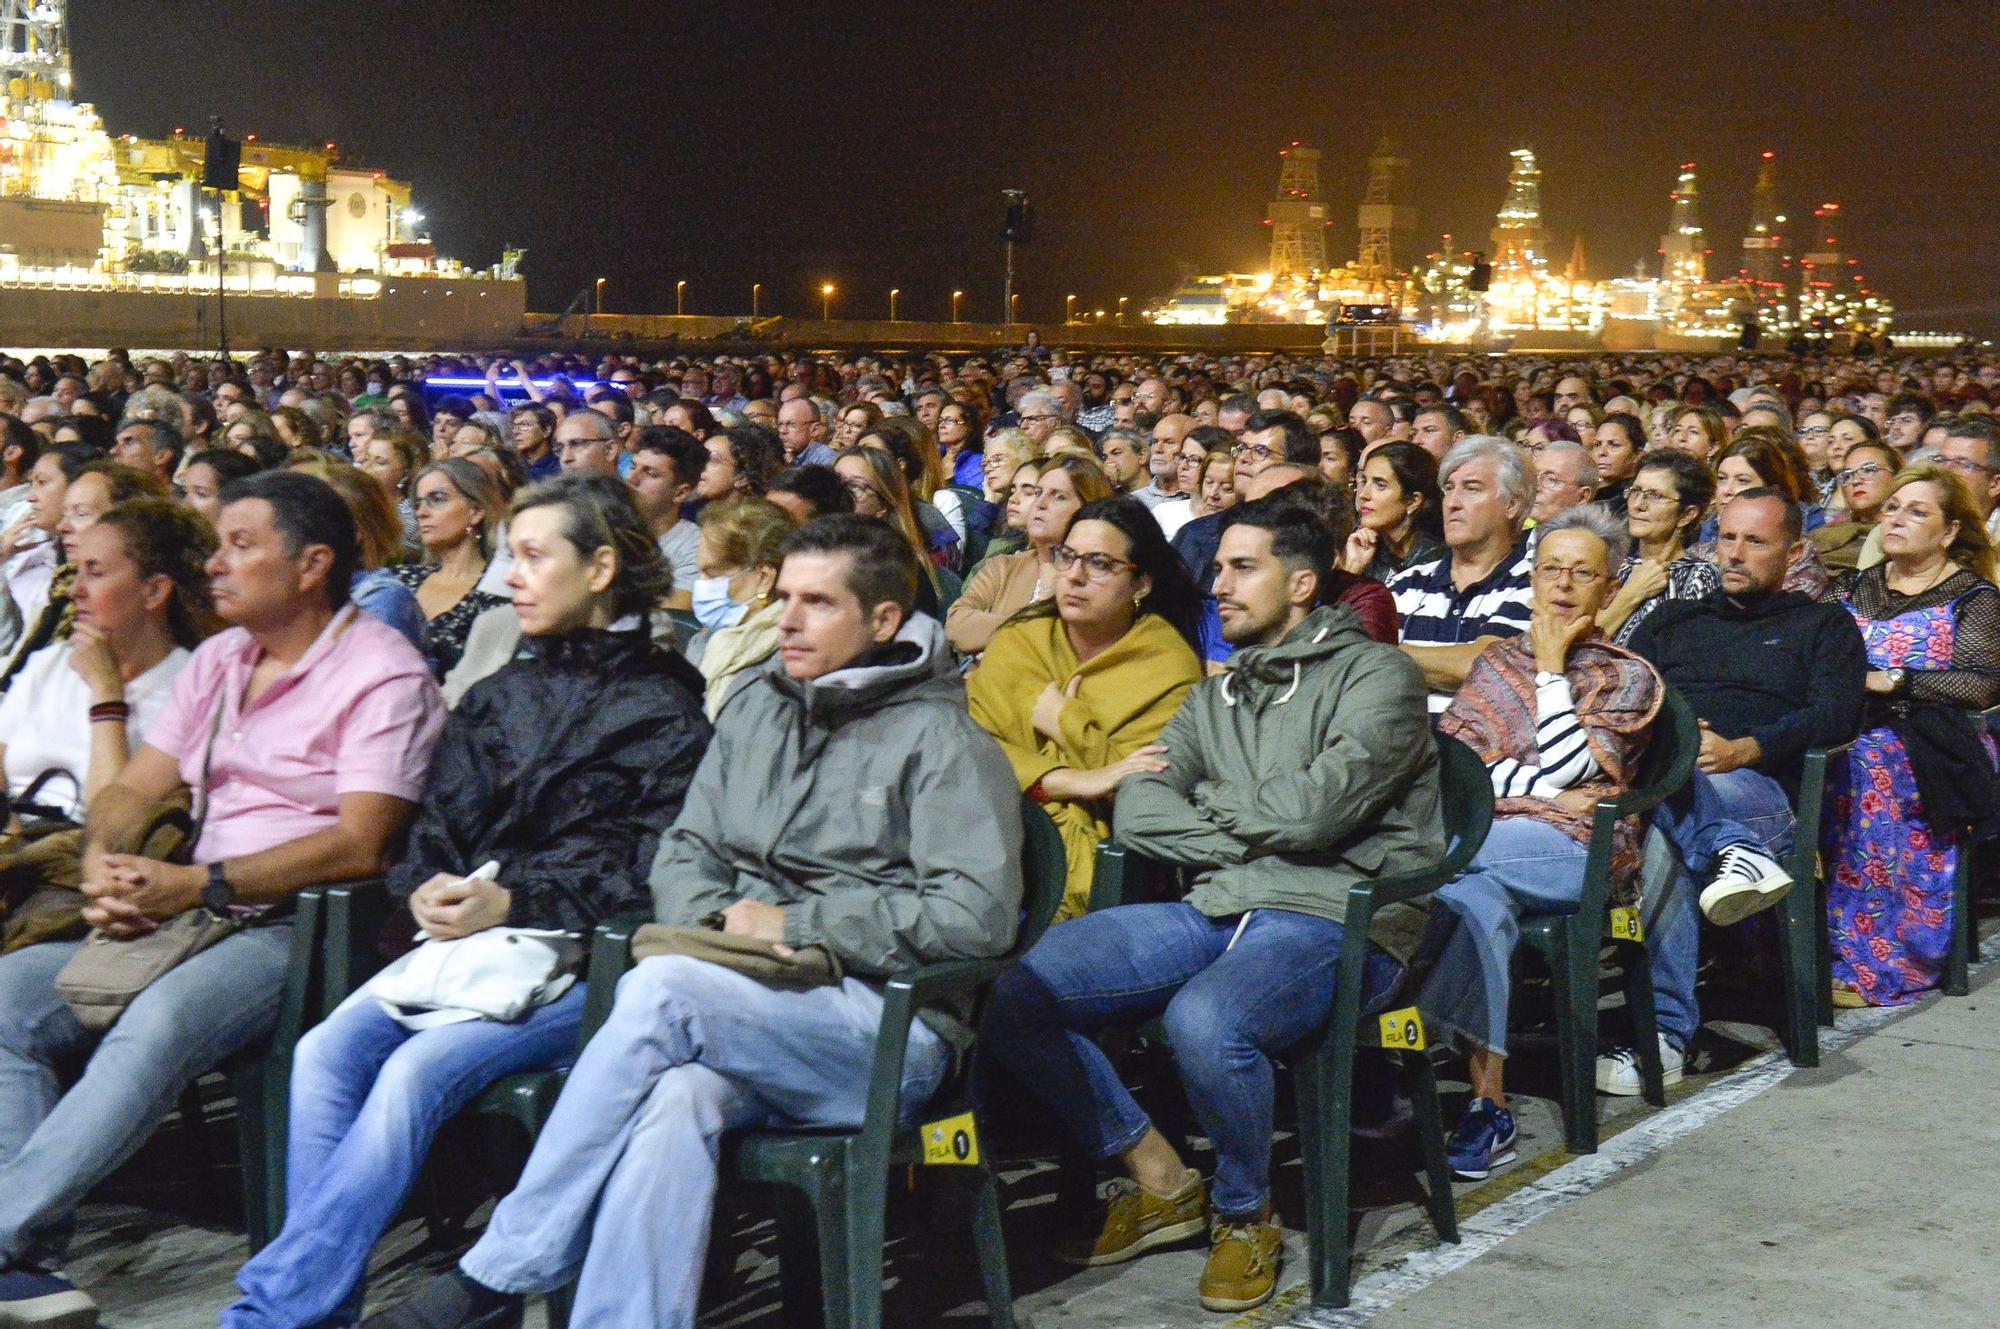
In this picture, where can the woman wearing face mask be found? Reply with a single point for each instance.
(738, 558)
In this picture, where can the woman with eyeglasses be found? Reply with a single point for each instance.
(1006, 584)
(874, 479)
(1077, 687)
(1663, 506)
(1912, 791)
(458, 505)
(1847, 431)
(1814, 434)
(1866, 476)
(959, 427)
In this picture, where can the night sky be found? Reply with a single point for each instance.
(867, 144)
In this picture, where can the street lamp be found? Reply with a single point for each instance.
(756, 294)
(600, 295)
(894, 291)
(1121, 311)
(1069, 309)
(680, 297)
(1014, 308)
(825, 301)
(956, 296)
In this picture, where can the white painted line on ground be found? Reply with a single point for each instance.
(1573, 1180)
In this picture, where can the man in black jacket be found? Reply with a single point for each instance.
(1769, 674)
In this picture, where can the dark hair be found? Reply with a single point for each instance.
(698, 416)
(881, 565)
(545, 417)
(14, 434)
(1979, 429)
(1417, 476)
(1299, 538)
(1777, 460)
(687, 453)
(1910, 401)
(165, 438)
(92, 431)
(1627, 423)
(459, 406)
(1212, 438)
(1794, 519)
(1173, 596)
(166, 539)
(817, 485)
(1694, 483)
(1241, 402)
(757, 453)
(598, 513)
(1301, 444)
(71, 458)
(227, 463)
(621, 404)
(1454, 419)
(306, 511)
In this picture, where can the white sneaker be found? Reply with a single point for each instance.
(1746, 881)
(1618, 1069)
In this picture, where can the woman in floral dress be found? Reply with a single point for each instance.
(1931, 619)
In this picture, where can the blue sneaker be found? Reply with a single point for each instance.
(1483, 1141)
(48, 1301)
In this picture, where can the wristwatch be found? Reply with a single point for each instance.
(218, 894)
(1895, 679)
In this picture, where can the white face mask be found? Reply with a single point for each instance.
(713, 608)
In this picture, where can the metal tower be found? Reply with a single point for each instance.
(34, 47)
(1682, 262)
(1297, 216)
(1380, 217)
(1519, 243)
(1763, 246)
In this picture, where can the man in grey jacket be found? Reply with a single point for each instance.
(1304, 770)
(847, 801)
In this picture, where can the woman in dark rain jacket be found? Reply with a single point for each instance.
(564, 768)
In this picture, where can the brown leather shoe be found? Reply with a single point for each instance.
(1242, 1269)
(1137, 1221)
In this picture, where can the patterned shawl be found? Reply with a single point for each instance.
(1617, 695)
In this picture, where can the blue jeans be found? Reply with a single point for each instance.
(1710, 812)
(368, 1097)
(1228, 1011)
(55, 1146)
(1525, 867)
(622, 1182)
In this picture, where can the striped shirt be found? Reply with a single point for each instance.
(1436, 613)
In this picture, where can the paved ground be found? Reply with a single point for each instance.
(1731, 1207)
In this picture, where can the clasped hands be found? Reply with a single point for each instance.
(130, 896)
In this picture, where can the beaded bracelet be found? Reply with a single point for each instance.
(110, 710)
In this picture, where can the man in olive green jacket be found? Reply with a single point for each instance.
(1304, 770)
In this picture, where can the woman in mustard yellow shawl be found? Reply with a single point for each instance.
(1077, 687)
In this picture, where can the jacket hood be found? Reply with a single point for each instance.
(915, 663)
(1254, 673)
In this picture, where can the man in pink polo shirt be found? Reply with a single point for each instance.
(313, 726)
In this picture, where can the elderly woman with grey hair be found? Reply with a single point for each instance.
(1560, 716)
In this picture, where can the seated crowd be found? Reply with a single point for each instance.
(779, 653)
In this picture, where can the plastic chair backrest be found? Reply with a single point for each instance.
(1044, 872)
(949, 586)
(1670, 756)
(1468, 804)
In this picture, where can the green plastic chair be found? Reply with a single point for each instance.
(1803, 952)
(949, 587)
(1571, 942)
(1964, 928)
(1324, 1068)
(844, 1175)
